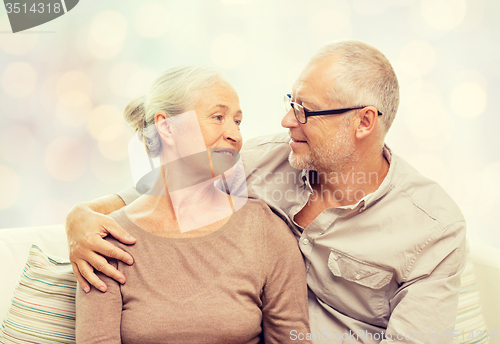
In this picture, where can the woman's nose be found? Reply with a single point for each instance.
(233, 134)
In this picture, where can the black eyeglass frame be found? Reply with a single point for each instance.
(308, 113)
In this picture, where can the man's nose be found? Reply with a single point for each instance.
(289, 120)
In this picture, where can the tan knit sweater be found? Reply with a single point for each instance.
(236, 285)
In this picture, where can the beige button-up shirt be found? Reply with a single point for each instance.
(384, 269)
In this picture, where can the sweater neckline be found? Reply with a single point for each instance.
(122, 218)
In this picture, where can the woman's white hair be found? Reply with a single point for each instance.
(363, 76)
(175, 91)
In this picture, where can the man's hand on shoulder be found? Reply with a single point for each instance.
(86, 228)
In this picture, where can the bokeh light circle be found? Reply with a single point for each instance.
(430, 121)
(116, 149)
(431, 166)
(139, 82)
(119, 76)
(468, 100)
(107, 33)
(370, 7)
(17, 143)
(107, 170)
(48, 94)
(337, 23)
(443, 15)
(474, 200)
(228, 50)
(235, 2)
(491, 182)
(129, 80)
(74, 81)
(419, 53)
(73, 108)
(151, 20)
(19, 79)
(410, 81)
(16, 44)
(10, 186)
(106, 123)
(49, 212)
(66, 158)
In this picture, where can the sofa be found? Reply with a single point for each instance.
(16, 242)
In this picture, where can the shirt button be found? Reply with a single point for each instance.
(305, 241)
(357, 276)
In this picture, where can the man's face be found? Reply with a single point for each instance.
(324, 143)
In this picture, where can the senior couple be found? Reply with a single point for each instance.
(340, 240)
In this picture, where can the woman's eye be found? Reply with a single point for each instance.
(238, 121)
(218, 117)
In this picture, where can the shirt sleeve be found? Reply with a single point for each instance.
(98, 315)
(285, 313)
(424, 308)
(128, 195)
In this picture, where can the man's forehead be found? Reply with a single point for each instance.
(314, 83)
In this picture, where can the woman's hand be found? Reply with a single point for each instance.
(86, 228)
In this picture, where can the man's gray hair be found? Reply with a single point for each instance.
(363, 76)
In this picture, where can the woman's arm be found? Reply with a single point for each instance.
(86, 227)
(284, 301)
(98, 315)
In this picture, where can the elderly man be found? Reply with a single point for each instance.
(383, 245)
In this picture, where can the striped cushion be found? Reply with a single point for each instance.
(43, 305)
(470, 326)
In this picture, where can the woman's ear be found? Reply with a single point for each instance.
(164, 127)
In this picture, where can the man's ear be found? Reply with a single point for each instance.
(164, 127)
(367, 121)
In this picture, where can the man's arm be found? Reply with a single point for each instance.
(86, 227)
(425, 309)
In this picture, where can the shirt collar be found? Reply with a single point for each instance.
(304, 178)
(374, 197)
(387, 183)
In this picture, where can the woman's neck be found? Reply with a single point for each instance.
(191, 211)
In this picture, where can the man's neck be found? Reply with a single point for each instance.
(337, 189)
(349, 185)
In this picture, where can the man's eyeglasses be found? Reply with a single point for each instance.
(302, 113)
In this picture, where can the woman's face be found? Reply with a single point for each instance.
(206, 138)
(219, 116)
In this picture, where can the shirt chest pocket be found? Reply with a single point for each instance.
(357, 271)
(359, 289)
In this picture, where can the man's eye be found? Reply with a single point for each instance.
(238, 121)
(218, 117)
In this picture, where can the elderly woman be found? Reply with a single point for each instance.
(209, 267)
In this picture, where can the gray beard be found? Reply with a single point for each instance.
(334, 156)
